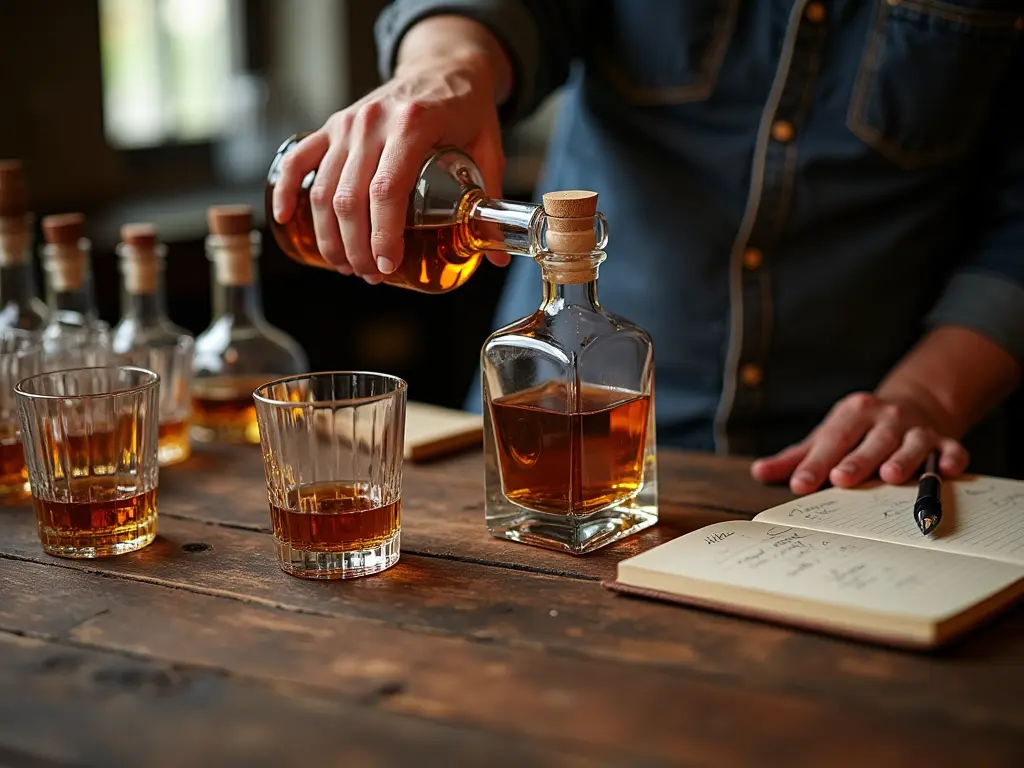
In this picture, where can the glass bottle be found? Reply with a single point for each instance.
(240, 350)
(145, 336)
(74, 335)
(19, 306)
(568, 401)
(450, 223)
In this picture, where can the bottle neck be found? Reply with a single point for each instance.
(143, 298)
(236, 295)
(69, 291)
(17, 285)
(503, 225)
(569, 282)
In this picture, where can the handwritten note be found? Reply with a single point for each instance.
(822, 567)
(982, 516)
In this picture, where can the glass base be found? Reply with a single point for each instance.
(309, 564)
(575, 534)
(106, 543)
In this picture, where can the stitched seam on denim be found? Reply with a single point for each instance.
(960, 15)
(856, 116)
(730, 373)
(704, 83)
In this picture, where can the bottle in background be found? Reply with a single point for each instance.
(20, 307)
(240, 350)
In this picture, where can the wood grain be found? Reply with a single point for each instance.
(560, 701)
(80, 706)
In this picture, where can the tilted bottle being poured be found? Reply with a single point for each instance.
(450, 224)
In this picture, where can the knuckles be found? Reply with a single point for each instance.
(384, 187)
(345, 203)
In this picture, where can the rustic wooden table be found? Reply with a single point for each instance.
(471, 651)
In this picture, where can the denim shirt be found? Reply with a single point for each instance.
(796, 190)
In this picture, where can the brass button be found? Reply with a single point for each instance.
(751, 375)
(815, 12)
(893, 2)
(752, 258)
(782, 131)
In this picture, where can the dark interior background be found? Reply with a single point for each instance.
(311, 57)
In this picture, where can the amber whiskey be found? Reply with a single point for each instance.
(450, 223)
(323, 521)
(223, 410)
(13, 471)
(174, 444)
(570, 456)
(96, 517)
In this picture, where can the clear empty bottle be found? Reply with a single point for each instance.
(240, 350)
(568, 396)
(20, 307)
(450, 223)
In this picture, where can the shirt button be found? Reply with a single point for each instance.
(782, 131)
(752, 259)
(815, 12)
(751, 375)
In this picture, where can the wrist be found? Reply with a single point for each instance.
(458, 44)
(918, 397)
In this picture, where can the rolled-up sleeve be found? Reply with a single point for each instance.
(524, 28)
(986, 294)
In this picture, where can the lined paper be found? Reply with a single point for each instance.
(982, 516)
(825, 568)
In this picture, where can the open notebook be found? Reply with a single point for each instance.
(852, 562)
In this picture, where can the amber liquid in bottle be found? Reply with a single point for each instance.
(174, 444)
(13, 471)
(95, 517)
(436, 258)
(335, 517)
(597, 442)
(223, 409)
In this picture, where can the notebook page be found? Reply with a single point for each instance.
(981, 516)
(839, 570)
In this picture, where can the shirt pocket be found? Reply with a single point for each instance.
(928, 75)
(655, 52)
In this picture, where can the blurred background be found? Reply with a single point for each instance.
(153, 110)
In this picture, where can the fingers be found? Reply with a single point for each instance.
(304, 157)
(321, 197)
(877, 446)
(778, 468)
(392, 182)
(953, 457)
(842, 430)
(909, 456)
(352, 198)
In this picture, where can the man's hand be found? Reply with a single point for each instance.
(942, 388)
(451, 74)
(863, 434)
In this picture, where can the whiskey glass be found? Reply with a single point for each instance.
(172, 362)
(90, 439)
(333, 446)
(20, 357)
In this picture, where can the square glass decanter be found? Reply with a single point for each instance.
(568, 401)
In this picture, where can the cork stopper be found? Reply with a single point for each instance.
(140, 263)
(64, 228)
(139, 236)
(229, 220)
(570, 222)
(65, 260)
(13, 190)
(231, 243)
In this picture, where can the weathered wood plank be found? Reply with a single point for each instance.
(439, 518)
(87, 707)
(558, 700)
(574, 618)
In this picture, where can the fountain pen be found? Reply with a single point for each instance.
(928, 507)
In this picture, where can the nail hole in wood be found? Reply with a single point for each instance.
(197, 546)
